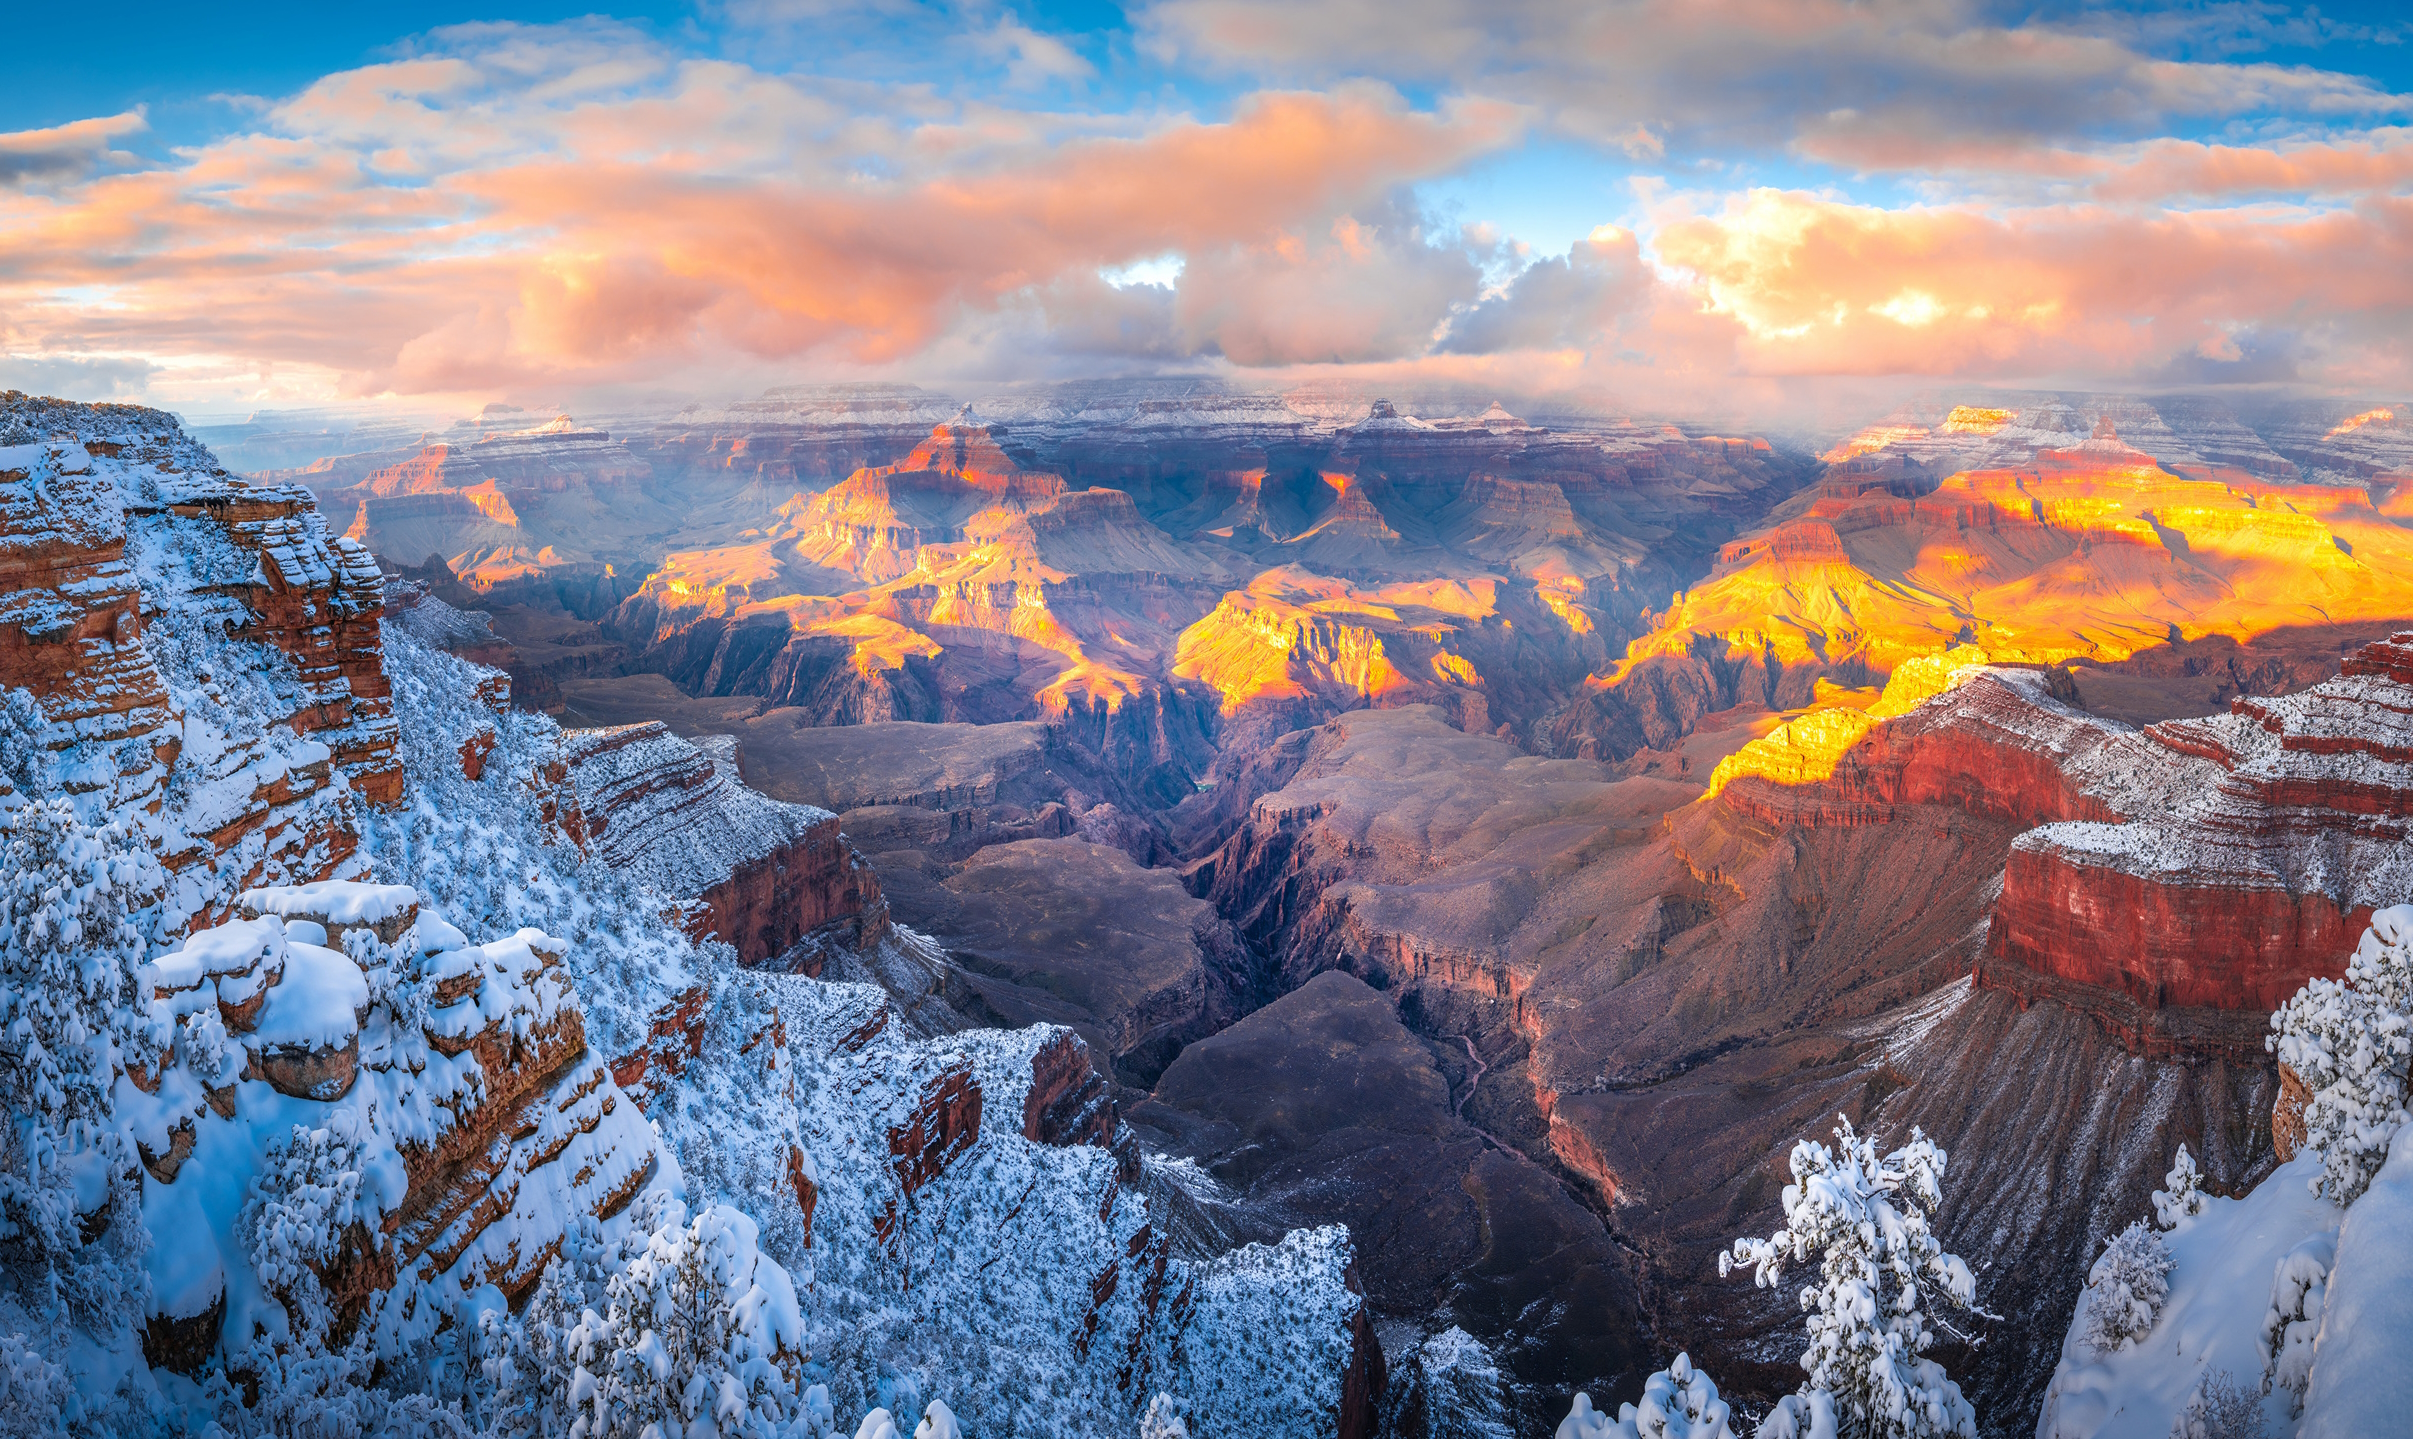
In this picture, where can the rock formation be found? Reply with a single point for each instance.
(776, 880)
(2020, 533)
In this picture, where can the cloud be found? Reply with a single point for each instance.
(1823, 287)
(1559, 304)
(514, 207)
(67, 151)
(76, 377)
(1848, 83)
(506, 208)
(1030, 58)
(1370, 288)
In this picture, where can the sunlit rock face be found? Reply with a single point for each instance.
(2034, 537)
(1168, 567)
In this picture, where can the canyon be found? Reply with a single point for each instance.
(1540, 824)
(346, 1123)
(1494, 840)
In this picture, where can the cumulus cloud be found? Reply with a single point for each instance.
(1559, 304)
(506, 207)
(575, 204)
(1824, 287)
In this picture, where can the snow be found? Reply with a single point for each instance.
(2222, 1263)
(334, 901)
(2361, 1382)
(2350, 1043)
(241, 947)
(2125, 1289)
(1866, 1220)
(484, 1135)
(319, 1004)
(678, 818)
(1678, 1402)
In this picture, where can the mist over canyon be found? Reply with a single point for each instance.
(1330, 909)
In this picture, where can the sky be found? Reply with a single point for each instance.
(1677, 206)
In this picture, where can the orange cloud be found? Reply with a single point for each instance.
(1821, 287)
(296, 251)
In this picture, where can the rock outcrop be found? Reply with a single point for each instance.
(498, 1125)
(776, 880)
(138, 567)
(2284, 829)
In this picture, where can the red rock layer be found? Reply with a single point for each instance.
(70, 626)
(2167, 877)
(2165, 945)
(2254, 880)
(1991, 750)
(817, 882)
(319, 601)
(71, 633)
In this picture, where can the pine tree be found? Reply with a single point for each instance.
(699, 1333)
(1163, 1420)
(304, 1197)
(74, 902)
(2181, 1196)
(1678, 1402)
(2349, 1042)
(1882, 1271)
(2126, 1287)
(2299, 1294)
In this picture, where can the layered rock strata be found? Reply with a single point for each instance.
(142, 570)
(768, 877)
(498, 1125)
(2285, 830)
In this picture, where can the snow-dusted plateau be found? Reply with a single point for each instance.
(1161, 909)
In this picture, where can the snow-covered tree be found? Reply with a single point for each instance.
(35, 1393)
(1464, 1394)
(1867, 1218)
(527, 1362)
(1678, 1402)
(74, 902)
(938, 1422)
(2349, 1042)
(304, 1197)
(2299, 1291)
(2126, 1287)
(1162, 1420)
(2181, 1196)
(313, 1394)
(699, 1336)
(2220, 1408)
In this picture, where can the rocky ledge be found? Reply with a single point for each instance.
(775, 880)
